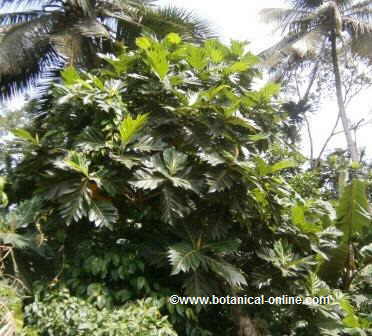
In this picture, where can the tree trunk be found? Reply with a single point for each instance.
(244, 324)
(340, 101)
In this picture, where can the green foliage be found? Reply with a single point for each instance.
(11, 316)
(164, 172)
(59, 313)
(3, 197)
(185, 258)
(352, 211)
(129, 127)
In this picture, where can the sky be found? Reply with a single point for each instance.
(239, 20)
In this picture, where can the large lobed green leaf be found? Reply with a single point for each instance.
(352, 211)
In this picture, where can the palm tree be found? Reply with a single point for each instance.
(39, 37)
(324, 23)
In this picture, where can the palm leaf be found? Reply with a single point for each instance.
(22, 3)
(90, 27)
(281, 17)
(86, 6)
(359, 6)
(171, 19)
(34, 41)
(25, 50)
(356, 27)
(361, 34)
(306, 4)
(282, 46)
(12, 18)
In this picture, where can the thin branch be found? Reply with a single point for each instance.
(306, 97)
(332, 134)
(310, 138)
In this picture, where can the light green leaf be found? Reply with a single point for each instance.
(283, 165)
(268, 91)
(242, 122)
(78, 162)
(143, 43)
(25, 135)
(129, 127)
(237, 67)
(196, 57)
(237, 47)
(173, 38)
(157, 57)
(70, 75)
(299, 220)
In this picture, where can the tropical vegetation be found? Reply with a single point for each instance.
(167, 170)
(39, 38)
(323, 27)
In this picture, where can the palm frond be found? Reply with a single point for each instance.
(91, 28)
(177, 20)
(281, 17)
(305, 4)
(128, 11)
(14, 4)
(361, 40)
(86, 6)
(19, 17)
(24, 52)
(281, 47)
(356, 28)
(359, 6)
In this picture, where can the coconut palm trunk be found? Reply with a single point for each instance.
(340, 100)
(308, 21)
